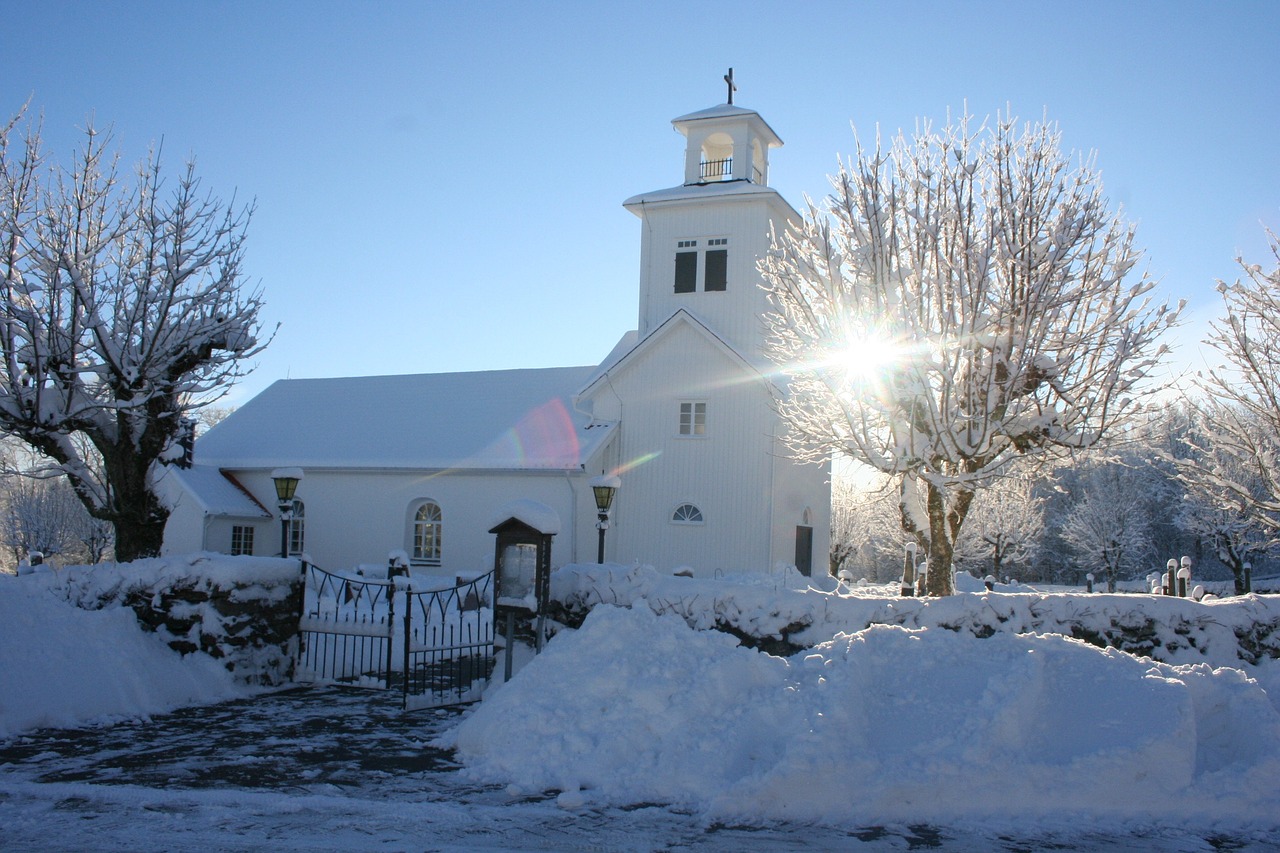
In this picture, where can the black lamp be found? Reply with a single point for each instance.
(604, 488)
(286, 480)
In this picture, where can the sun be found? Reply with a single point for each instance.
(865, 358)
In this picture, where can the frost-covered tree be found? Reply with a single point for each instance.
(1237, 464)
(38, 515)
(960, 300)
(1226, 501)
(866, 537)
(1005, 527)
(1108, 526)
(123, 310)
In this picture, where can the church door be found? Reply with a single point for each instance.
(804, 550)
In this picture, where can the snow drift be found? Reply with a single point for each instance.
(63, 666)
(885, 724)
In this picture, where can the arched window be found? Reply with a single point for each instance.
(427, 524)
(686, 514)
(297, 529)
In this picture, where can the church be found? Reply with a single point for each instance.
(681, 413)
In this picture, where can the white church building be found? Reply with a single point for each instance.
(681, 411)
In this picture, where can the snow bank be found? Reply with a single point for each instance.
(881, 725)
(786, 608)
(64, 666)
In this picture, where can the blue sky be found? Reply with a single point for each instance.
(439, 184)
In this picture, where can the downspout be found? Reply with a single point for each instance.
(573, 516)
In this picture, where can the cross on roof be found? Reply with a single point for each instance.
(728, 78)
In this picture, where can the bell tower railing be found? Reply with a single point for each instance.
(717, 169)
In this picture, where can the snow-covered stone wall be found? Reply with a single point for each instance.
(768, 612)
(242, 611)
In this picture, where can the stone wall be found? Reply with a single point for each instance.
(242, 611)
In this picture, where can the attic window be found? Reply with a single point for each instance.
(693, 419)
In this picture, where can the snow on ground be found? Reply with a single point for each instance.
(906, 724)
(62, 666)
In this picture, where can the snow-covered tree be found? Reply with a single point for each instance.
(1226, 501)
(1108, 526)
(961, 300)
(123, 310)
(1237, 464)
(866, 536)
(38, 515)
(1005, 528)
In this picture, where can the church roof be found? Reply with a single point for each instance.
(490, 420)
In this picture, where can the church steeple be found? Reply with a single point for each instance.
(702, 239)
(726, 143)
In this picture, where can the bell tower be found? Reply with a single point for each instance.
(700, 240)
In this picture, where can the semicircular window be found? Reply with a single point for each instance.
(687, 514)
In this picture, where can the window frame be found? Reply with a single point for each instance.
(696, 422)
(297, 529)
(694, 516)
(416, 540)
(241, 540)
(686, 270)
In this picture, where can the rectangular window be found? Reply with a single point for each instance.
(686, 272)
(693, 418)
(717, 277)
(241, 540)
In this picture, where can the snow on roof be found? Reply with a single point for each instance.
(536, 514)
(727, 111)
(493, 420)
(715, 189)
(217, 493)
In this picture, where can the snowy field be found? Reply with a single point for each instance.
(637, 732)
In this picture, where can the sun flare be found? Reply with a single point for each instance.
(865, 358)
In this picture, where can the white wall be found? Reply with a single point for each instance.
(358, 517)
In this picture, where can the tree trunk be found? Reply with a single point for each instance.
(138, 539)
(945, 521)
(136, 513)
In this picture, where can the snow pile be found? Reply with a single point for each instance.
(64, 666)
(241, 610)
(885, 724)
(793, 610)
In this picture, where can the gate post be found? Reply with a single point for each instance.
(397, 566)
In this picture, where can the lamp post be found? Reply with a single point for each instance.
(286, 480)
(604, 488)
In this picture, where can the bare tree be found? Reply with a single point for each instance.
(123, 311)
(960, 300)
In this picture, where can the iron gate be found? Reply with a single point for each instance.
(438, 652)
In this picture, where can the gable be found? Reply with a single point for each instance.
(494, 420)
(684, 332)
